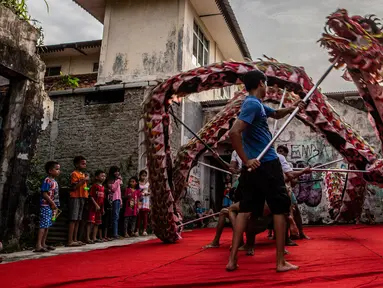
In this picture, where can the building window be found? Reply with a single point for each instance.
(200, 47)
(105, 97)
(52, 71)
(95, 67)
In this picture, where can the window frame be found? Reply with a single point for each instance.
(98, 66)
(200, 42)
(48, 69)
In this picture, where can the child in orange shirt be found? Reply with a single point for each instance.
(78, 195)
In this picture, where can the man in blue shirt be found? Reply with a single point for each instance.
(249, 135)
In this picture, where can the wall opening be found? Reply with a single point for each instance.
(53, 71)
(105, 97)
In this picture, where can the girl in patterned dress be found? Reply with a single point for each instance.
(49, 190)
(144, 206)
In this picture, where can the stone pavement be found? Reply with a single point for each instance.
(29, 254)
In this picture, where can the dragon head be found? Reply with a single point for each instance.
(356, 40)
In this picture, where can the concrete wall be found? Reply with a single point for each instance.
(140, 39)
(106, 134)
(193, 118)
(303, 144)
(25, 108)
(162, 47)
(73, 64)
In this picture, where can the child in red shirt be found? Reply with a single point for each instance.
(96, 206)
(132, 195)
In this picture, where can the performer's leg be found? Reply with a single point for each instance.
(299, 222)
(220, 226)
(239, 228)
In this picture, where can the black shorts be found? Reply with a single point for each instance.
(265, 183)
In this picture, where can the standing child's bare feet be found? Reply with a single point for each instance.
(211, 245)
(286, 266)
(243, 248)
(232, 265)
(304, 236)
(250, 252)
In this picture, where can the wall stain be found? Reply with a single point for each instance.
(162, 62)
(120, 64)
(180, 48)
(188, 40)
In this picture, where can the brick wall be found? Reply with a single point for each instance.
(106, 134)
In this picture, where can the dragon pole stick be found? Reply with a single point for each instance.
(334, 170)
(196, 136)
(280, 106)
(292, 115)
(216, 168)
(329, 163)
(198, 219)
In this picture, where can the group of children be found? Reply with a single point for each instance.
(98, 205)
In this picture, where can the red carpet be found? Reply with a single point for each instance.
(337, 256)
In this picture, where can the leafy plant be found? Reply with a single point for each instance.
(68, 80)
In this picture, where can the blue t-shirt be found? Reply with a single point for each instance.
(257, 135)
(199, 210)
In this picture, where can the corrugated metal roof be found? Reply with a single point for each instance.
(73, 45)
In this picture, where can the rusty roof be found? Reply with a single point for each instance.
(73, 45)
(228, 13)
(55, 83)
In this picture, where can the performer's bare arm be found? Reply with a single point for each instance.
(280, 113)
(295, 174)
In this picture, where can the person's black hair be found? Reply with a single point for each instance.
(78, 159)
(284, 148)
(197, 202)
(135, 178)
(98, 172)
(113, 170)
(142, 172)
(50, 165)
(252, 79)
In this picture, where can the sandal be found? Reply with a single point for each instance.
(73, 244)
(50, 248)
(41, 250)
(98, 241)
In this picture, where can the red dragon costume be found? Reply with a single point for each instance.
(358, 43)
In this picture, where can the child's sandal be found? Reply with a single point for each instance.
(41, 250)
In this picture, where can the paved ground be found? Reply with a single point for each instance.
(24, 255)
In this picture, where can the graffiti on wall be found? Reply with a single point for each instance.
(313, 151)
(194, 183)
